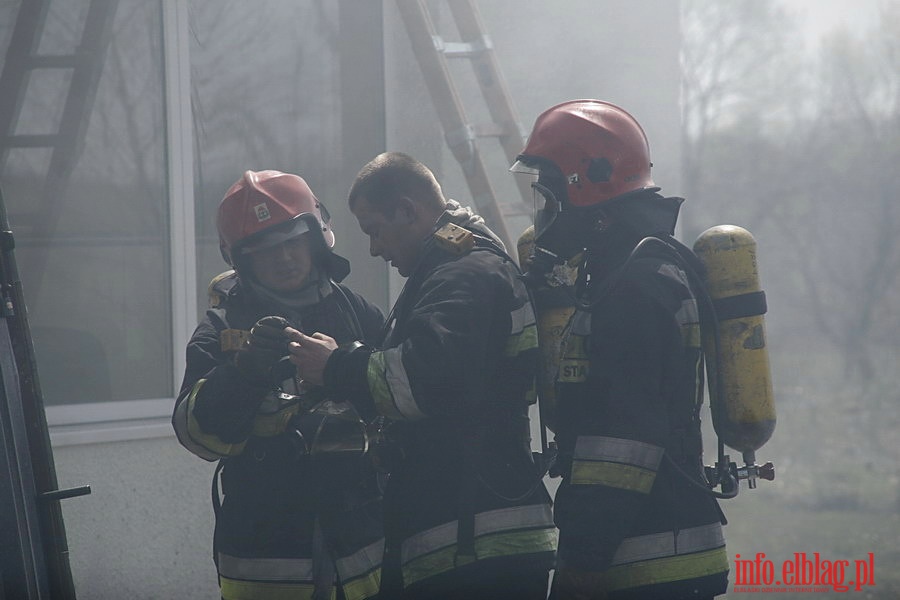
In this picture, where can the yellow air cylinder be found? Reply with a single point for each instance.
(554, 306)
(744, 415)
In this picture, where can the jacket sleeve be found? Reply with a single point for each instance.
(215, 408)
(446, 341)
(619, 422)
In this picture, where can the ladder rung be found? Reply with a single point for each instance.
(463, 49)
(38, 140)
(471, 132)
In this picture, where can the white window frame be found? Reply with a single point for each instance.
(97, 422)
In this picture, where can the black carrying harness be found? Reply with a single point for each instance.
(711, 312)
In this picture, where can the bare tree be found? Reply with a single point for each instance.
(809, 167)
(724, 88)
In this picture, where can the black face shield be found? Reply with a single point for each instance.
(560, 228)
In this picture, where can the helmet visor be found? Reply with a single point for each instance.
(526, 166)
(546, 209)
(275, 235)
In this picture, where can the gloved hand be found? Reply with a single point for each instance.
(574, 584)
(259, 359)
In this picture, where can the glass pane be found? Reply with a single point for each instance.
(264, 79)
(91, 225)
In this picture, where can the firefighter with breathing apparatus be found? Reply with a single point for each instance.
(298, 518)
(635, 515)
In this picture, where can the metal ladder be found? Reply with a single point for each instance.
(85, 64)
(433, 54)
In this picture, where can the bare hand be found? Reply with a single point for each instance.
(310, 353)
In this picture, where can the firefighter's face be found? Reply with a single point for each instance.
(283, 267)
(397, 238)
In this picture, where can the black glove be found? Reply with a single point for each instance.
(260, 358)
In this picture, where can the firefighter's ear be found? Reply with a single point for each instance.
(406, 211)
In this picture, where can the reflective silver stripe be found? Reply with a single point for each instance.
(361, 562)
(659, 545)
(182, 431)
(610, 449)
(489, 522)
(525, 340)
(266, 569)
(521, 318)
(580, 324)
(673, 272)
(687, 314)
(189, 434)
(389, 385)
(398, 383)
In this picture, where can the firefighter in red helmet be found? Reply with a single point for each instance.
(634, 514)
(289, 523)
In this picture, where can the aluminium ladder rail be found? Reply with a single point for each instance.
(433, 53)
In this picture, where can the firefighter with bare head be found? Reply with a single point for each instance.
(466, 512)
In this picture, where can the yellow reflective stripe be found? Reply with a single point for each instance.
(200, 443)
(362, 561)
(669, 556)
(521, 318)
(615, 462)
(626, 477)
(363, 587)
(688, 319)
(688, 314)
(489, 546)
(502, 532)
(360, 572)
(235, 589)
(620, 450)
(690, 335)
(574, 363)
(264, 578)
(512, 518)
(271, 424)
(379, 388)
(389, 386)
(518, 343)
(668, 569)
(181, 423)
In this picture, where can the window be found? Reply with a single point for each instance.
(115, 261)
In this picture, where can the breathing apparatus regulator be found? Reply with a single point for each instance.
(591, 157)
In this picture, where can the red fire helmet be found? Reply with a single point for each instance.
(269, 205)
(600, 150)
